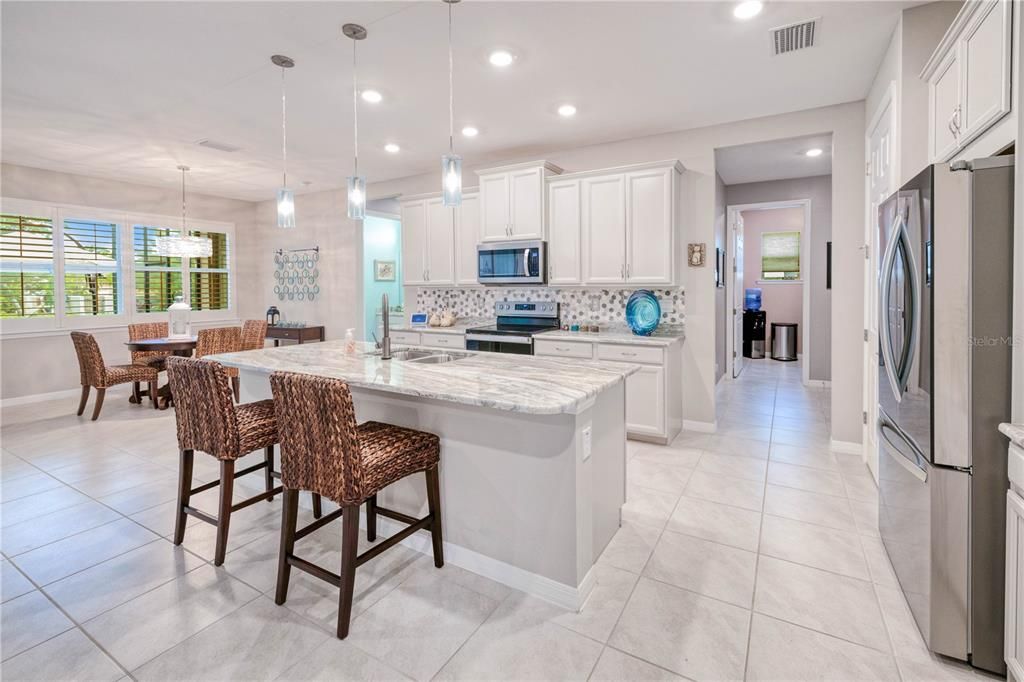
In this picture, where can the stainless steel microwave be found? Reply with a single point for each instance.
(520, 262)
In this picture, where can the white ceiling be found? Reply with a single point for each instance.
(774, 160)
(123, 90)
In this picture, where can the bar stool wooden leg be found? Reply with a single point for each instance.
(318, 510)
(434, 504)
(184, 494)
(84, 400)
(99, 403)
(371, 518)
(136, 393)
(289, 519)
(268, 457)
(152, 395)
(227, 488)
(349, 550)
(235, 387)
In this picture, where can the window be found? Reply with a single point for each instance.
(208, 277)
(92, 281)
(780, 256)
(26, 266)
(157, 278)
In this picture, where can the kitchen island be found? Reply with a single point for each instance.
(533, 452)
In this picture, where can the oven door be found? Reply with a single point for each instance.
(499, 343)
(511, 263)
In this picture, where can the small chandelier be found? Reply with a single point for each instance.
(183, 245)
(285, 196)
(356, 183)
(451, 163)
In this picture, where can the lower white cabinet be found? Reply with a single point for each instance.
(645, 401)
(443, 340)
(1014, 632)
(405, 338)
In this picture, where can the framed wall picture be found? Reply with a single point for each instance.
(695, 254)
(384, 271)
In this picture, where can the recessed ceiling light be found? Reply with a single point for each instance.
(813, 152)
(392, 148)
(748, 9)
(372, 96)
(470, 131)
(566, 110)
(501, 58)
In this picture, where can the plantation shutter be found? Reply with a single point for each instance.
(26, 267)
(157, 278)
(208, 277)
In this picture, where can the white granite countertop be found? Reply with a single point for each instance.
(664, 335)
(517, 383)
(460, 326)
(1015, 432)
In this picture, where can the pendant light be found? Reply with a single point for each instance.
(184, 245)
(451, 163)
(356, 182)
(285, 197)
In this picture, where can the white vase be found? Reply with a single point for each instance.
(179, 326)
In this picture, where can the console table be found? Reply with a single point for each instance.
(299, 334)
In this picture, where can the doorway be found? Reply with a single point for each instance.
(382, 272)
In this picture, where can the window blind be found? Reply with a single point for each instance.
(209, 277)
(157, 278)
(780, 255)
(26, 267)
(91, 268)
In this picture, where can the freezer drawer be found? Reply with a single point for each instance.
(923, 518)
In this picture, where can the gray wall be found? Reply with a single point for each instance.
(45, 363)
(721, 299)
(819, 190)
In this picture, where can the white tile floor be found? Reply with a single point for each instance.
(748, 554)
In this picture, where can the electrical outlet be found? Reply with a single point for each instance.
(588, 442)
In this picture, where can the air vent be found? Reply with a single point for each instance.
(794, 36)
(219, 146)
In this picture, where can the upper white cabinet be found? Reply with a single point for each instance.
(629, 225)
(969, 77)
(430, 253)
(467, 235)
(564, 222)
(414, 242)
(512, 201)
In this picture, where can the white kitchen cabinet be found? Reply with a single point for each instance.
(414, 242)
(1014, 625)
(512, 201)
(564, 221)
(604, 229)
(467, 235)
(649, 223)
(645, 401)
(968, 77)
(440, 244)
(443, 340)
(583, 350)
(405, 338)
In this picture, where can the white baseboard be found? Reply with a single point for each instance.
(846, 447)
(536, 585)
(817, 383)
(59, 395)
(702, 427)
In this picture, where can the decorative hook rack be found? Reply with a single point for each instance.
(281, 252)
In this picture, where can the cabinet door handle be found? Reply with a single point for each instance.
(629, 270)
(622, 271)
(629, 355)
(956, 119)
(560, 349)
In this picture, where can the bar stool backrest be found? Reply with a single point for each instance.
(254, 332)
(90, 360)
(218, 340)
(203, 407)
(316, 424)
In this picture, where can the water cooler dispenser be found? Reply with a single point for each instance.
(753, 325)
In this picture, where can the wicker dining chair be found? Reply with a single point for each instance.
(96, 374)
(153, 358)
(254, 334)
(324, 451)
(221, 340)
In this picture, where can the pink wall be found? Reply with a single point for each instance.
(781, 302)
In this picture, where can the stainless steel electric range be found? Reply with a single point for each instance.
(517, 322)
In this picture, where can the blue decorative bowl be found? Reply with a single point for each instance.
(643, 312)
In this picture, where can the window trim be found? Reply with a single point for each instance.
(126, 221)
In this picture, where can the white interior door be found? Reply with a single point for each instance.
(881, 184)
(737, 294)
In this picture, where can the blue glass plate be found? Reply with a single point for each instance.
(643, 312)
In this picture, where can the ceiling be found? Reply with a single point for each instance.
(124, 90)
(774, 160)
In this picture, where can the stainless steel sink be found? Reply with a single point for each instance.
(426, 357)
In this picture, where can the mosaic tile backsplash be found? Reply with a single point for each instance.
(577, 305)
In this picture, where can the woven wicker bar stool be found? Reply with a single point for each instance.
(95, 374)
(254, 334)
(221, 340)
(155, 359)
(323, 450)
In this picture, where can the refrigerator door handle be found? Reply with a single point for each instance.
(888, 263)
(913, 466)
(915, 316)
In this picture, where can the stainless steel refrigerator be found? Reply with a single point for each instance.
(945, 305)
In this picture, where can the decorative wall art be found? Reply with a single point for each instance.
(695, 255)
(384, 270)
(296, 274)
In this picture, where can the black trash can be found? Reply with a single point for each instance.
(784, 341)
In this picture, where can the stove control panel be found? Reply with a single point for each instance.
(526, 308)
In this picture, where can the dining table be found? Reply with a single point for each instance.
(183, 346)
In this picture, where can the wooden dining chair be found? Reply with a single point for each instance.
(152, 358)
(96, 374)
(254, 332)
(221, 340)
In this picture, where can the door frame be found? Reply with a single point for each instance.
(805, 277)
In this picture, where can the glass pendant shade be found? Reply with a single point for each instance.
(184, 247)
(285, 208)
(451, 180)
(356, 197)
(179, 313)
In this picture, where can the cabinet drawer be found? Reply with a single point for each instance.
(567, 349)
(639, 354)
(1016, 466)
(406, 338)
(443, 340)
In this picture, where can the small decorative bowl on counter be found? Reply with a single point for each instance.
(643, 312)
